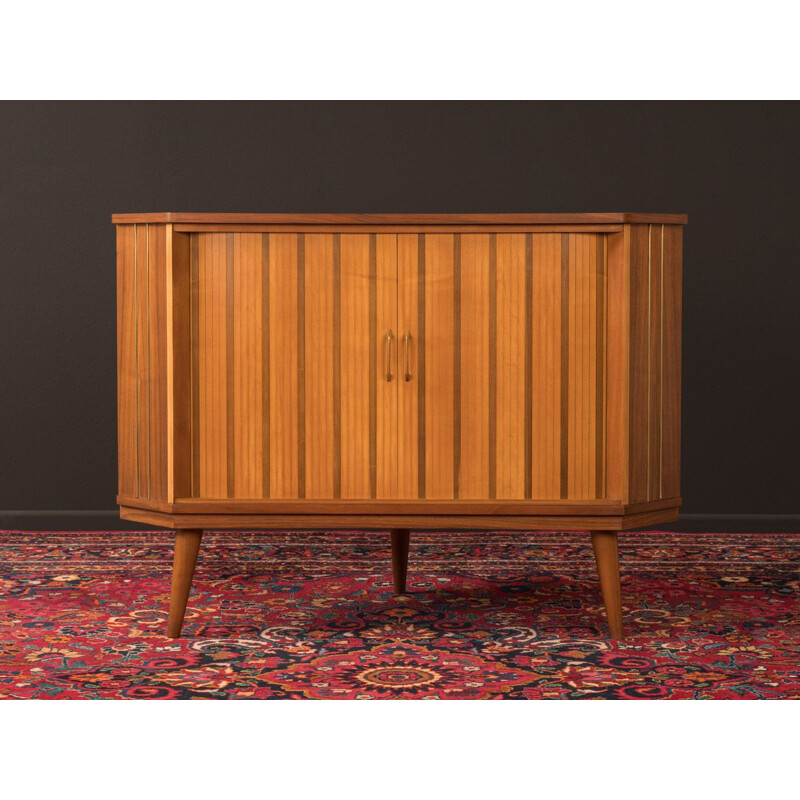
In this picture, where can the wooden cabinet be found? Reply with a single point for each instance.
(393, 372)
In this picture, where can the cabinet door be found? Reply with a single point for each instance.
(289, 362)
(506, 397)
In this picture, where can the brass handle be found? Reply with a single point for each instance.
(389, 354)
(406, 340)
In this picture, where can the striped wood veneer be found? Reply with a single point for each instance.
(508, 340)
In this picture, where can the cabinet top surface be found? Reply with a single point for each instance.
(399, 219)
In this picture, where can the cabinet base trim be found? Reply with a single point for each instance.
(412, 521)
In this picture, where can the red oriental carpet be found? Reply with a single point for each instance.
(313, 615)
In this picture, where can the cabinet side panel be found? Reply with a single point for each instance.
(126, 361)
(639, 414)
(670, 400)
(654, 377)
(511, 303)
(472, 474)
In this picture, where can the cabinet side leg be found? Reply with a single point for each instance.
(400, 539)
(606, 554)
(187, 545)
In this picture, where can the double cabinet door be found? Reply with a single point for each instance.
(437, 365)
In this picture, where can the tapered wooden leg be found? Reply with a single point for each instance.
(187, 545)
(606, 554)
(400, 539)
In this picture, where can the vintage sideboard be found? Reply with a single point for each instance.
(398, 372)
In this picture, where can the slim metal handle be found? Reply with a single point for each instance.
(406, 341)
(389, 354)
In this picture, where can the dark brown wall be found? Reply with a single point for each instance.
(65, 167)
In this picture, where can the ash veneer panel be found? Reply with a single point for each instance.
(142, 343)
(356, 338)
(473, 352)
(247, 376)
(547, 302)
(284, 365)
(510, 350)
(437, 351)
(319, 336)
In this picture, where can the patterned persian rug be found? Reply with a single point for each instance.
(313, 615)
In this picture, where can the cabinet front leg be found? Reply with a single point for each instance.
(606, 554)
(187, 545)
(400, 539)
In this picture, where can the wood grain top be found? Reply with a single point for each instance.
(400, 219)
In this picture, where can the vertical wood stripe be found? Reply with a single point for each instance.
(157, 361)
(301, 365)
(510, 337)
(194, 322)
(656, 362)
(388, 393)
(337, 365)
(318, 259)
(661, 381)
(284, 388)
(126, 360)
(671, 343)
(229, 366)
(600, 361)
(136, 351)
(247, 400)
(421, 454)
(373, 366)
(565, 385)
(265, 368)
(546, 356)
(474, 367)
(529, 388)
(640, 364)
(456, 365)
(492, 365)
(355, 366)
(148, 327)
(143, 360)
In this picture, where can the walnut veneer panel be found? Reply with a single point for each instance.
(655, 332)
